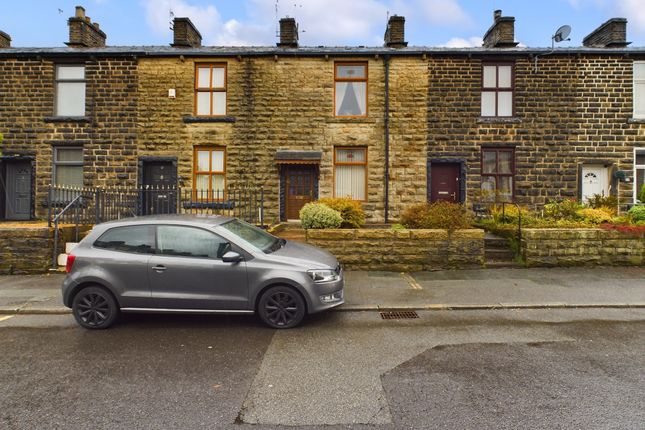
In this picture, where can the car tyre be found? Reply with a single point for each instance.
(95, 308)
(281, 307)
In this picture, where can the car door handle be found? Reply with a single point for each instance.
(159, 268)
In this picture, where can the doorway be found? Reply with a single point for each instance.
(445, 182)
(300, 188)
(17, 190)
(159, 183)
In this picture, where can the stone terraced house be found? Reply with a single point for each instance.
(388, 126)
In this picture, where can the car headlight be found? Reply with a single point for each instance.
(323, 275)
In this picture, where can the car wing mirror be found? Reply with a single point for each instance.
(231, 257)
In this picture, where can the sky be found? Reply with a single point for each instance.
(450, 23)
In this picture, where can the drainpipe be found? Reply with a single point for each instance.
(386, 121)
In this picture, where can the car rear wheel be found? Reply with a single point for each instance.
(94, 308)
(281, 307)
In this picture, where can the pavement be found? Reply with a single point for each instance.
(598, 287)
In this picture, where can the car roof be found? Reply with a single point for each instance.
(180, 219)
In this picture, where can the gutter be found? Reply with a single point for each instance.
(386, 121)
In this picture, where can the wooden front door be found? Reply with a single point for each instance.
(18, 192)
(159, 187)
(445, 182)
(300, 189)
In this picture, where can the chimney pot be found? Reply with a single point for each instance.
(610, 34)
(502, 33)
(497, 14)
(5, 40)
(288, 33)
(185, 34)
(80, 12)
(395, 32)
(82, 33)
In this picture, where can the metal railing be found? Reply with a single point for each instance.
(482, 209)
(75, 203)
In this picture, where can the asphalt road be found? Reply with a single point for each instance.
(532, 369)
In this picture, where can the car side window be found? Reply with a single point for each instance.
(190, 242)
(138, 239)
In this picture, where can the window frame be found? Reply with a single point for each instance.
(639, 81)
(199, 196)
(496, 175)
(638, 167)
(365, 79)
(345, 163)
(211, 90)
(56, 163)
(153, 250)
(57, 91)
(497, 89)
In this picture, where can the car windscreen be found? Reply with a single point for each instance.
(253, 236)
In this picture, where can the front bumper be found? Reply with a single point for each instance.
(324, 290)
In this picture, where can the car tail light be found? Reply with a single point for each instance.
(70, 263)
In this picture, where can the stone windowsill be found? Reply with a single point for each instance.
(66, 119)
(499, 120)
(636, 121)
(189, 119)
(351, 120)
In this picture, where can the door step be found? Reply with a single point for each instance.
(498, 253)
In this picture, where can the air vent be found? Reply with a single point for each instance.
(399, 315)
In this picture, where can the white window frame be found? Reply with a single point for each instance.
(60, 80)
(638, 81)
(636, 168)
(57, 163)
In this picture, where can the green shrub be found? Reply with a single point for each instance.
(317, 215)
(397, 227)
(350, 210)
(444, 215)
(637, 213)
(641, 195)
(595, 216)
(565, 209)
(598, 201)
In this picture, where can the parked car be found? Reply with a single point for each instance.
(197, 264)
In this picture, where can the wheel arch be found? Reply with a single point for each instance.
(282, 283)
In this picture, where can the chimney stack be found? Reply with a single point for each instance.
(5, 40)
(185, 34)
(288, 33)
(83, 33)
(611, 34)
(395, 32)
(502, 33)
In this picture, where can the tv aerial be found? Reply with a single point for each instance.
(560, 35)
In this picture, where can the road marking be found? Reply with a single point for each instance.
(6, 317)
(411, 281)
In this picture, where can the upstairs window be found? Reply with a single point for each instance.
(350, 166)
(639, 89)
(498, 169)
(497, 90)
(210, 173)
(210, 89)
(70, 90)
(350, 89)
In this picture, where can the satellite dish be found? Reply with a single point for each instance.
(562, 33)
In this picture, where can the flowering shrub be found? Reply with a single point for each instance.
(440, 214)
(595, 216)
(631, 230)
(317, 215)
(565, 209)
(350, 210)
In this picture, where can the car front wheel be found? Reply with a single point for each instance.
(281, 307)
(95, 308)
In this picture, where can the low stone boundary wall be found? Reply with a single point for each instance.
(401, 250)
(575, 247)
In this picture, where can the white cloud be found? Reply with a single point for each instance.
(458, 42)
(634, 11)
(444, 12)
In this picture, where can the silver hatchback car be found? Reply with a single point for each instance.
(197, 264)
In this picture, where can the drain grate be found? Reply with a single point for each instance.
(399, 315)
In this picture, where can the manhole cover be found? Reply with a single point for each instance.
(399, 315)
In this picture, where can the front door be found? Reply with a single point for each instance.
(445, 182)
(300, 189)
(159, 187)
(595, 180)
(18, 193)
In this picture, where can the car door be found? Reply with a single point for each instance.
(187, 271)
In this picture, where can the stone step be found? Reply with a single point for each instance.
(497, 242)
(495, 264)
(499, 254)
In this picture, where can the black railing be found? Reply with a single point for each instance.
(96, 205)
(483, 209)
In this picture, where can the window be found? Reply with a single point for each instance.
(68, 167)
(138, 239)
(498, 168)
(190, 242)
(70, 90)
(497, 90)
(210, 173)
(639, 172)
(639, 89)
(210, 89)
(351, 173)
(350, 90)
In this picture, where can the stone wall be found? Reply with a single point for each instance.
(401, 250)
(573, 247)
